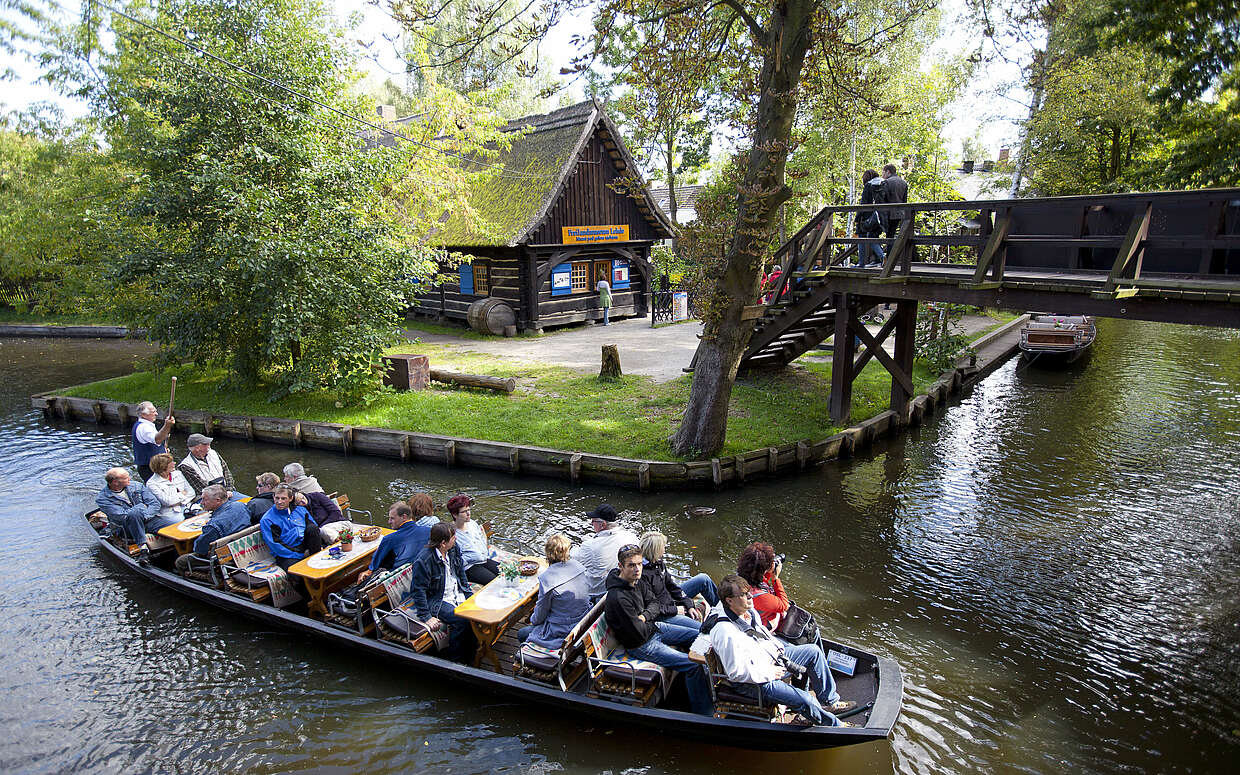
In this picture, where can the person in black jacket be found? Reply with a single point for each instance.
(439, 586)
(675, 599)
(631, 611)
(869, 223)
(263, 500)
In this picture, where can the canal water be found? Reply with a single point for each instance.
(1054, 562)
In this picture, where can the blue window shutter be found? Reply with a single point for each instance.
(619, 280)
(467, 279)
(562, 280)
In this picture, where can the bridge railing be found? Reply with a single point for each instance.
(1128, 240)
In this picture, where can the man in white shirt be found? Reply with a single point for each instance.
(598, 554)
(147, 440)
(750, 654)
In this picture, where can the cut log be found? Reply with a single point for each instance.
(502, 384)
(610, 372)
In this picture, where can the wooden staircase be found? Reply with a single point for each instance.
(798, 322)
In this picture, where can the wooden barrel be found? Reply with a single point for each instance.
(490, 315)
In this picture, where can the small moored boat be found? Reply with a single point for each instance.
(1054, 340)
(579, 685)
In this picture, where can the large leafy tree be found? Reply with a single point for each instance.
(268, 234)
(776, 56)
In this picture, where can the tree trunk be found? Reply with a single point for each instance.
(704, 425)
(610, 372)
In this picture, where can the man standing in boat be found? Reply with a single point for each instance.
(147, 441)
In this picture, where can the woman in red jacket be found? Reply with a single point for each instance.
(760, 567)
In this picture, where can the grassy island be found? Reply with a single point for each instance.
(552, 406)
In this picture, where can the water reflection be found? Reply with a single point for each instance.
(1053, 562)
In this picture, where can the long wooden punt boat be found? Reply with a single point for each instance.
(876, 683)
(1056, 340)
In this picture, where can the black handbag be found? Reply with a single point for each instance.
(798, 626)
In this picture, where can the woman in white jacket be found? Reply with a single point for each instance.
(169, 486)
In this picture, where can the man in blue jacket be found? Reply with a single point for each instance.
(227, 517)
(400, 547)
(439, 586)
(284, 529)
(132, 509)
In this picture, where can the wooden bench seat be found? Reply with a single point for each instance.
(561, 667)
(392, 621)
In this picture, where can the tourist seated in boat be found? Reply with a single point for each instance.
(423, 509)
(760, 568)
(284, 529)
(325, 513)
(203, 465)
(563, 596)
(227, 517)
(265, 487)
(749, 653)
(401, 546)
(439, 586)
(632, 612)
(295, 477)
(598, 554)
(675, 599)
(169, 486)
(132, 509)
(471, 539)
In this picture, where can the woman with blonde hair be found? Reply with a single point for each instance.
(169, 485)
(675, 599)
(563, 596)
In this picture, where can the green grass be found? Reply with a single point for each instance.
(10, 315)
(552, 407)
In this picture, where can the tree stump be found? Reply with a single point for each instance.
(611, 364)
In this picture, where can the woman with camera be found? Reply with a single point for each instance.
(760, 566)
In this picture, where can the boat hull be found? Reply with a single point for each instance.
(727, 732)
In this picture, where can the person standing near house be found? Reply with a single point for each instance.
(895, 190)
(604, 299)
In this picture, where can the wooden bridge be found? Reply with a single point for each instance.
(1168, 256)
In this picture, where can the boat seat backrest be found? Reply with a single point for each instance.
(390, 587)
(595, 614)
(217, 543)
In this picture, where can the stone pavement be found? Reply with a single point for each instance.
(660, 353)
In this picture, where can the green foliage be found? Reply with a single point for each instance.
(264, 236)
(939, 340)
(58, 220)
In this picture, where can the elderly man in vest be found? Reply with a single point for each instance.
(132, 509)
(147, 440)
(203, 465)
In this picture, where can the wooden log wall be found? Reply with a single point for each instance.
(578, 467)
(506, 283)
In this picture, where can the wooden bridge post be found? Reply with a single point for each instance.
(843, 350)
(906, 332)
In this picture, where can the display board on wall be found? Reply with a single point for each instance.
(588, 235)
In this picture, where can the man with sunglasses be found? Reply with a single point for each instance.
(631, 611)
(750, 654)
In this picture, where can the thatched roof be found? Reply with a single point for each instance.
(513, 203)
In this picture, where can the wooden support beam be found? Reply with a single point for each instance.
(901, 251)
(297, 434)
(574, 468)
(879, 339)
(514, 460)
(404, 448)
(897, 373)
(716, 472)
(1131, 250)
(906, 333)
(843, 348)
(772, 460)
(346, 439)
(249, 429)
(97, 409)
(802, 455)
(643, 477)
(449, 454)
(994, 246)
